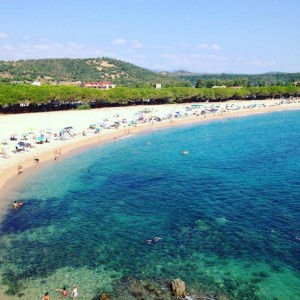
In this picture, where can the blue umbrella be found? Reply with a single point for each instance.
(41, 138)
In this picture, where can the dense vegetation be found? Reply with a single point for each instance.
(125, 74)
(135, 85)
(267, 79)
(19, 98)
(90, 69)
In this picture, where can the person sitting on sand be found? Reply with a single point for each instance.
(63, 291)
(17, 204)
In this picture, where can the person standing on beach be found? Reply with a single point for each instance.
(74, 293)
(56, 154)
(36, 160)
(20, 169)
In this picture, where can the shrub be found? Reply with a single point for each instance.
(84, 107)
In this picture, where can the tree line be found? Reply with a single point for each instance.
(48, 97)
(229, 80)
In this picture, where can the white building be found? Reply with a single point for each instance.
(37, 83)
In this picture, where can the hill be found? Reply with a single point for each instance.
(90, 69)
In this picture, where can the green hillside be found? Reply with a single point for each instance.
(126, 74)
(90, 69)
(266, 79)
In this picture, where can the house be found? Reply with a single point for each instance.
(102, 85)
(158, 86)
(72, 83)
(219, 87)
(37, 83)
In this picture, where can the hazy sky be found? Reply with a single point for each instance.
(237, 36)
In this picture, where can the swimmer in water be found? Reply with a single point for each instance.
(17, 204)
(153, 241)
(63, 291)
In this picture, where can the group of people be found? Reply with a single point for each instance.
(36, 160)
(17, 204)
(64, 293)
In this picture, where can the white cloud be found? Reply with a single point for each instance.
(119, 42)
(215, 47)
(261, 63)
(51, 50)
(203, 46)
(169, 56)
(160, 47)
(183, 45)
(209, 47)
(8, 47)
(3, 35)
(137, 44)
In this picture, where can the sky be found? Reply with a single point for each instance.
(203, 36)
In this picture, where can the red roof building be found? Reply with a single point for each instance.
(102, 85)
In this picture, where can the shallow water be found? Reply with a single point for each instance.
(228, 213)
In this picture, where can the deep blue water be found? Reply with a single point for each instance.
(228, 212)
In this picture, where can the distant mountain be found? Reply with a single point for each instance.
(90, 69)
(177, 73)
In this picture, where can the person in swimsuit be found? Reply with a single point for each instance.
(20, 169)
(46, 297)
(17, 204)
(153, 241)
(74, 292)
(63, 291)
(36, 160)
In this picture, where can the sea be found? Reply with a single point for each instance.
(222, 196)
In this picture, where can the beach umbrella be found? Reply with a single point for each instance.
(40, 138)
(68, 127)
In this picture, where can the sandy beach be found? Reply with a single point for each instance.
(84, 136)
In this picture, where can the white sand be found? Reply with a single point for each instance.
(80, 120)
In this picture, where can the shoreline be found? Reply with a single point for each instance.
(77, 146)
(8, 173)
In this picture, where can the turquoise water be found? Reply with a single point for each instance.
(228, 213)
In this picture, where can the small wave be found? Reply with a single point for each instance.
(125, 137)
